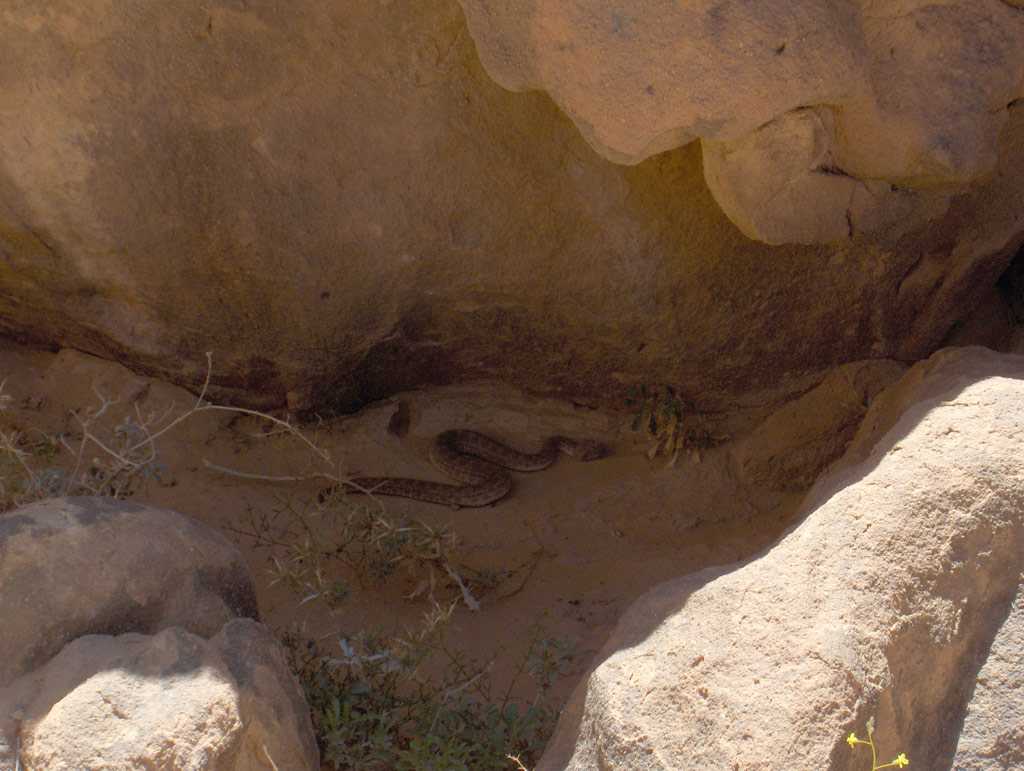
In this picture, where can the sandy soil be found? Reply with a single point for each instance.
(577, 542)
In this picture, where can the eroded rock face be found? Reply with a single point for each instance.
(993, 732)
(171, 701)
(903, 97)
(76, 566)
(790, 449)
(781, 183)
(74, 572)
(893, 595)
(339, 203)
(640, 78)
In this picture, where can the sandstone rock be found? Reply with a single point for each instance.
(993, 733)
(911, 94)
(170, 701)
(795, 444)
(264, 181)
(643, 77)
(782, 183)
(884, 602)
(76, 566)
(940, 79)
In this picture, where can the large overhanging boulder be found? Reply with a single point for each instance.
(338, 201)
(818, 119)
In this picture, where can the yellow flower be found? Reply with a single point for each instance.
(900, 762)
(852, 739)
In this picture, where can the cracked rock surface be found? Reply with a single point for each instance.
(896, 597)
(341, 204)
(905, 99)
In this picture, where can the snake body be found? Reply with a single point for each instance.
(480, 463)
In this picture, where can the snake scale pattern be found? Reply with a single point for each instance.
(480, 463)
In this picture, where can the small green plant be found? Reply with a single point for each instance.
(97, 458)
(406, 701)
(658, 413)
(342, 540)
(409, 700)
(93, 458)
(670, 424)
(412, 702)
(898, 762)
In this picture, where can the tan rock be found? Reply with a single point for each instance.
(76, 566)
(782, 183)
(993, 731)
(941, 77)
(644, 77)
(790, 449)
(339, 203)
(171, 701)
(918, 93)
(881, 603)
(768, 179)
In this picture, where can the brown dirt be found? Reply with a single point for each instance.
(582, 540)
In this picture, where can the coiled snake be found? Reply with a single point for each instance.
(480, 463)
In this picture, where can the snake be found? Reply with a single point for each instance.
(480, 463)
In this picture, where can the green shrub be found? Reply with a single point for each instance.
(375, 707)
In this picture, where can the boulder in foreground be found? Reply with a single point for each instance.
(898, 597)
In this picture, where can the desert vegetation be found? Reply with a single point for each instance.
(383, 698)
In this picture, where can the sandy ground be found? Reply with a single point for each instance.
(574, 544)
